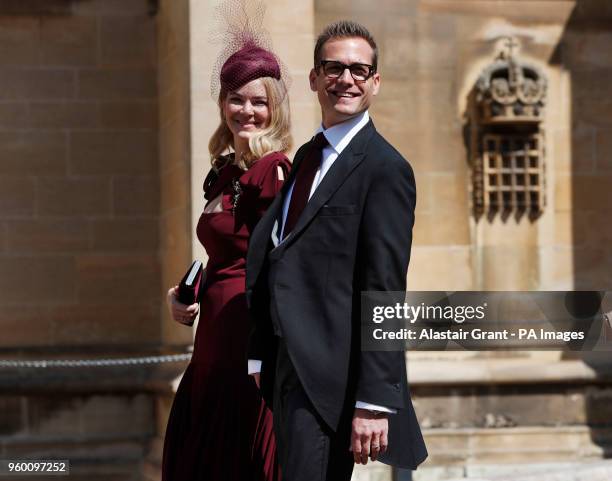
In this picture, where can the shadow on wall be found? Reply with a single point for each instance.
(584, 52)
(58, 7)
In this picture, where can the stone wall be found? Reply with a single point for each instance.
(175, 169)
(177, 232)
(79, 227)
(432, 52)
(586, 165)
(78, 176)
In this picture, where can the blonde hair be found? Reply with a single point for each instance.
(276, 137)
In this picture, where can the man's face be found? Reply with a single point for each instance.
(343, 98)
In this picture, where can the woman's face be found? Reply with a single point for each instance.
(246, 110)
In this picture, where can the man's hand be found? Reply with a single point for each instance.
(369, 435)
(256, 377)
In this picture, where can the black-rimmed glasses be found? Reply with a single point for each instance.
(359, 71)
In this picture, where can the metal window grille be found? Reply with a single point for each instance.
(513, 172)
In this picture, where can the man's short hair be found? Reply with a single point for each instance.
(345, 29)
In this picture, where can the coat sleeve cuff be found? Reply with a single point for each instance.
(374, 407)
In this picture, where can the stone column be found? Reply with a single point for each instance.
(175, 206)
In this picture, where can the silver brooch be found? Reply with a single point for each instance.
(237, 188)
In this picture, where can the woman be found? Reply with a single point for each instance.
(219, 427)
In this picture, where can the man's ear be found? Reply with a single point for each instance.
(312, 78)
(376, 83)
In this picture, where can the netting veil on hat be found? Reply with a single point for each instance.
(247, 50)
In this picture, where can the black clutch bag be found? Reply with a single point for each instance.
(191, 284)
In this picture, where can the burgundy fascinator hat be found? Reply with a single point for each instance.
(247, 52)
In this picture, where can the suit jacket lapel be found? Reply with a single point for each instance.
(350, 158)
(346, 162)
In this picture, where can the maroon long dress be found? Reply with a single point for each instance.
(219, 427)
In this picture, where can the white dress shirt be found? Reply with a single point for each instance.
(338, 137)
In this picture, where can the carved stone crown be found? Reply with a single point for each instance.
(511, 91)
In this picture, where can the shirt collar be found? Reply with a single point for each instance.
(341, 134)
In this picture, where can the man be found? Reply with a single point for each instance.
(341, 225)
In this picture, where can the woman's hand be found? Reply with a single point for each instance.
(180, 312)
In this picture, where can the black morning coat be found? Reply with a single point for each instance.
(354, 235)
